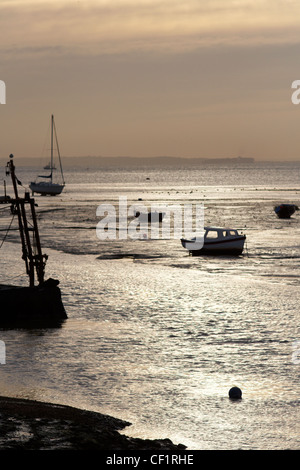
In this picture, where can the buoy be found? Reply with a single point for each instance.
(235, 392)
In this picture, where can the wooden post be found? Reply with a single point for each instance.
(39, 258)
(11, 168)
(28, 242)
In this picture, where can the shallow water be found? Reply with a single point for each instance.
(157, 337)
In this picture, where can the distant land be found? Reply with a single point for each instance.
(143, 162)
(125, 161)
(152, 161)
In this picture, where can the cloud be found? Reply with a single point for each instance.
(118, 26)
(155, 76)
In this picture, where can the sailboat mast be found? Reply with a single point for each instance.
(51, 146)
(57, 147)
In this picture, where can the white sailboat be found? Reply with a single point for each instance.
(48, 187)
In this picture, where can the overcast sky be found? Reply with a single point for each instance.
(189, 78)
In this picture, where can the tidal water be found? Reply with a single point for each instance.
(157, 337)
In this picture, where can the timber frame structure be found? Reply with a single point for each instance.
(35, 260)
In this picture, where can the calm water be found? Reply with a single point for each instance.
(156, 337)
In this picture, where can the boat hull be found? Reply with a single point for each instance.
(30, 306)
(285, 211)
(232, 247)
(151, 217)
(44, 188)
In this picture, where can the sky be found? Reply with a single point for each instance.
(147, 78)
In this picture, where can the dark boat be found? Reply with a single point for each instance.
(150, 216)
(33, 305)
(284, 211)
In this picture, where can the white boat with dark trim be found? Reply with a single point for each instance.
(48, 187)
(217, 241)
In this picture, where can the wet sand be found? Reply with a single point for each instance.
(33, 425)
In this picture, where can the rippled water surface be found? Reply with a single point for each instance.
(157, 337)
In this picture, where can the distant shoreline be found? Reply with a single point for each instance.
(151, 161)
(142, 162)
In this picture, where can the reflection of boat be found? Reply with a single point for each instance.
(36, 304)
(216, 241)
(150, 216)
(49, 187)
(284, 211)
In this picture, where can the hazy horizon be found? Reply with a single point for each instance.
(164, 162)
(146, 78)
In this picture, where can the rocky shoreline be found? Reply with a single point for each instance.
(34, 425)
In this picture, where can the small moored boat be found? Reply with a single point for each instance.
(216, 241)
(150, 216)
(284, 211)
(48, 187)
(49, 167)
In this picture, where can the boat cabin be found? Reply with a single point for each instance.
(214, 233)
